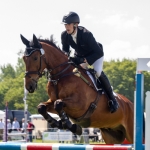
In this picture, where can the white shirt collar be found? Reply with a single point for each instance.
(74, 36)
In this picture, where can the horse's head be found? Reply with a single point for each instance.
(34, 62)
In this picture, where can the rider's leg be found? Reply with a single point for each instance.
(113, 104)
(98, 67)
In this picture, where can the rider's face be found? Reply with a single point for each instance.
(69, 28)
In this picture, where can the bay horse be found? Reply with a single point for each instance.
(76, 102)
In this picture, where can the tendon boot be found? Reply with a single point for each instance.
(112, 103)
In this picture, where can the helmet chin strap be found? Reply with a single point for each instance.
(74, 28)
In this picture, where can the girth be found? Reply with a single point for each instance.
(90, 110)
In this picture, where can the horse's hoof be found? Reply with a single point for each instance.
(76, 129)
(79, 130)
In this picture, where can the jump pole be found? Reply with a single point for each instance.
(147, 134)
(47, 146)
(25, 109)
(143, 64)
(138, 113)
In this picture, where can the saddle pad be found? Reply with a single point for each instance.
(94, 82)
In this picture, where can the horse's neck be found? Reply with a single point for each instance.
(54, 58)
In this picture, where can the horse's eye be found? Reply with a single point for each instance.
(35, 58)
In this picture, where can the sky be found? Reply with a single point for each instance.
(121, 26)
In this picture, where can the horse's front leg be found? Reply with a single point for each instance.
(42, 109)
(58, 106)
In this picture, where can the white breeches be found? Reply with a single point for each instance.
(97, 65)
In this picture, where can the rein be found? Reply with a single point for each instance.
(58, 74)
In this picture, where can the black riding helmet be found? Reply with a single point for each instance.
(71, 17)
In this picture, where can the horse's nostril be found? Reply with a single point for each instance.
(30, 87)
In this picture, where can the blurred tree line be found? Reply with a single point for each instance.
(12, 88)
(120, 73)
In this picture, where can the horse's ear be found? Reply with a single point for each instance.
(25, 41)
(36, 42)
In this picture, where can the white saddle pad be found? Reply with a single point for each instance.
(91, 77)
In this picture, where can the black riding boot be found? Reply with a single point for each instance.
(113, 104)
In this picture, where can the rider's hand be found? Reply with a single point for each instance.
(77, 60)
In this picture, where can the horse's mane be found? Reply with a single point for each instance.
(50, 41)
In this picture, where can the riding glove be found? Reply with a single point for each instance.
(77, 60)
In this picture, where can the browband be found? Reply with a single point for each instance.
(30, 50)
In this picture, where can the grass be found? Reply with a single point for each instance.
(54, 142)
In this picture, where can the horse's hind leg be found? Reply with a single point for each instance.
(129, 130)
(58, 106)
(113, 136)
(53, 123)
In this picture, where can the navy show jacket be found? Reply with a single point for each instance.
(86, 47)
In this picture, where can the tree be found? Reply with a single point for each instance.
(40, 95)
(20, 68)
(122, 76)
(12, 88)
(7, 72)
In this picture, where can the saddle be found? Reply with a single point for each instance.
(92, 74)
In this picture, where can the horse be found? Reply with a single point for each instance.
(76, 102)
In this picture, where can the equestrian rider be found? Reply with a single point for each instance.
(87, 52)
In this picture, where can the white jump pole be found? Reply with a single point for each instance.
(25, 109)
(147, 128)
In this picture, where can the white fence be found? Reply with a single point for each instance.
(55, 135)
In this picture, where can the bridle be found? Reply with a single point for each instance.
(38, 72)
(52, 77)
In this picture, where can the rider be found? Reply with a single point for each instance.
(87, 51)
